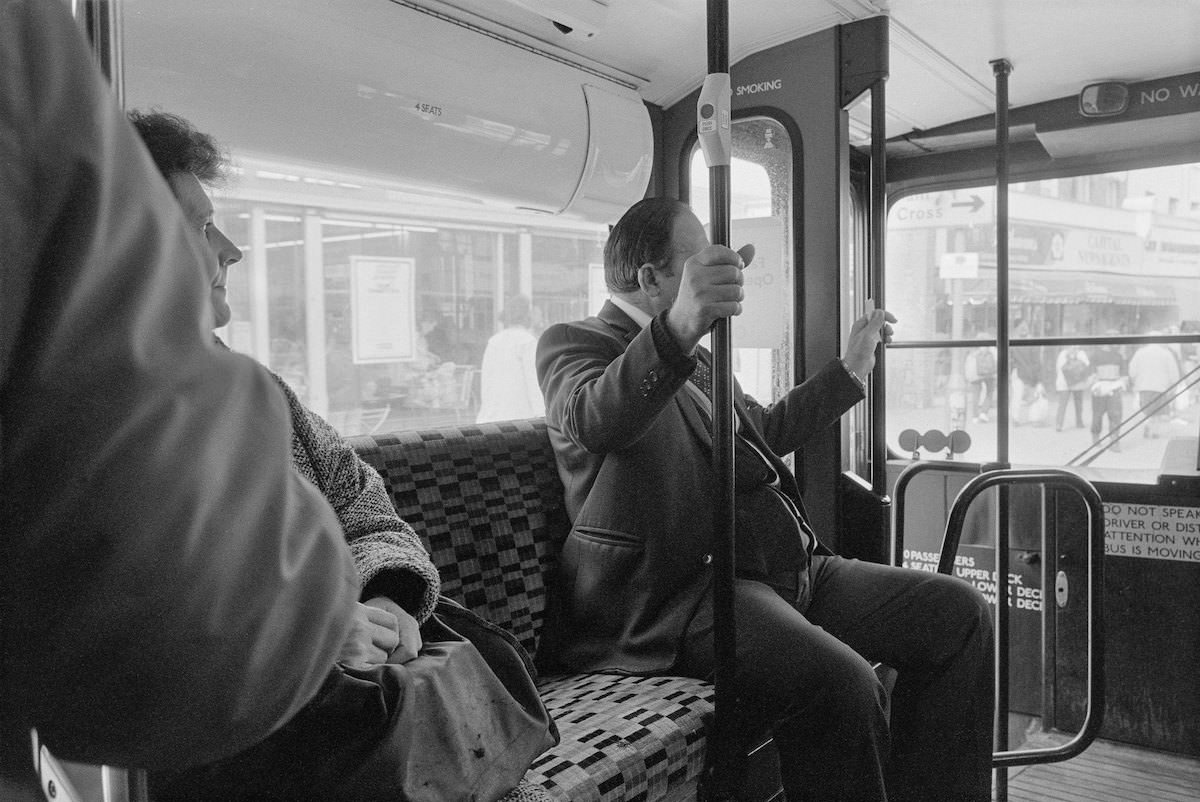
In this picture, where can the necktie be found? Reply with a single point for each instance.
(702, 376)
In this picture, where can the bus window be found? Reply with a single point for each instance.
(374, 299)
(1111, 255)
(761, 211)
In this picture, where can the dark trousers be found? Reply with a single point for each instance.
(804, 670)
(982, 391)
(1077, 397)
(1110, 405)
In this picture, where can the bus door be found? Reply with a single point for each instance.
(791, 198)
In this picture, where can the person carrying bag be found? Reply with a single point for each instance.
(461, 721)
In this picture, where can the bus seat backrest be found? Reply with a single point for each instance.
(488, 504)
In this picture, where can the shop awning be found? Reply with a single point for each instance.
(1137, 292)
(1026, 287)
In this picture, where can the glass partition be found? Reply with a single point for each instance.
(1104, 270)
(761, 214)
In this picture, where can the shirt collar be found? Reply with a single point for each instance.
(638, 316)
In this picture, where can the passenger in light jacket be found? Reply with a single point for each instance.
(508, 375)
(1154, 372)
(632, 438)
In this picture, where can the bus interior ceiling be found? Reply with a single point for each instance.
(939, 72)
(940, 51)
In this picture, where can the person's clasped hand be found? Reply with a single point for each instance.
(381, 631)
(709, 289)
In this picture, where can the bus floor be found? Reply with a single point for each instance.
(1109, 771)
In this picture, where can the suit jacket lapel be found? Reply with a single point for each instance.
(696, 417)
(787, 480)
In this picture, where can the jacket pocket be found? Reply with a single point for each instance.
(603, 567)
(608, 537)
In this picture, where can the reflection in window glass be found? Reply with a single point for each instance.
(1107, 255)
(760, 211)
(464, 273)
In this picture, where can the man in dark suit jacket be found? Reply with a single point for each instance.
(633, 440)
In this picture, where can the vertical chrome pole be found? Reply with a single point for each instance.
(1001, 68)
(713, 125)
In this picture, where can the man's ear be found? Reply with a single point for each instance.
(648, 280)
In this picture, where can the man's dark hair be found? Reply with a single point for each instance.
(177, 147)
(641, 236)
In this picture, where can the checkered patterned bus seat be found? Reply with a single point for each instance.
(488, 504)
(624, 738)
(487, 501)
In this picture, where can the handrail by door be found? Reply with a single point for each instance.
(877, 241)
(1060, 479)
(990, 475)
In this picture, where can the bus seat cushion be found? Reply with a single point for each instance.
(623, 737)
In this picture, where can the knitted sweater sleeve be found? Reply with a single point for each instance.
(386, 550)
